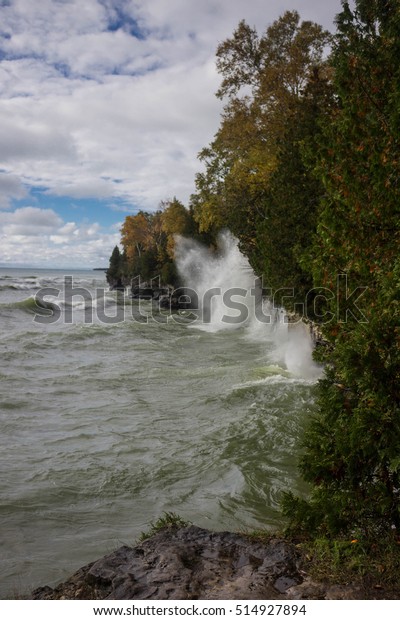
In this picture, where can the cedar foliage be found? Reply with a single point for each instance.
(352, 448)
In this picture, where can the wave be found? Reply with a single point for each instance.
(31, 305)
(35, 282)
(54, 301)
(283, 378)
(82, 304)
(21, 286)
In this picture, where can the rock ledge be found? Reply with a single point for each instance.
(184, 563)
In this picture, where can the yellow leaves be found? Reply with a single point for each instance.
(155, 232)
(175, 220)
(136, 234)
(253, 171)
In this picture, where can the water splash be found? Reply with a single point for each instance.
(221, 282)
(227, 295)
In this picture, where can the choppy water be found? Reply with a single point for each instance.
(105, 426)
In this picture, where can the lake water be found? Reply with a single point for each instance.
(105, 425)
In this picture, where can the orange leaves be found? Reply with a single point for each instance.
(136, 234)
(175, 220)
(353, 61)
(153, 233)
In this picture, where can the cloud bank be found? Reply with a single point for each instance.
(61, 244)
(113, 99)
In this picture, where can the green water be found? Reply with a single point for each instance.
(104, 427)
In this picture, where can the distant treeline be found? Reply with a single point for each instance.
(148, 241)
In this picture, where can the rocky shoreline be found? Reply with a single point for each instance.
(191, 563)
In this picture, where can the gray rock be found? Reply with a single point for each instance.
(192, 563)
(186, 563)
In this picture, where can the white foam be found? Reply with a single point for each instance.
(228, 270)
(213, 275)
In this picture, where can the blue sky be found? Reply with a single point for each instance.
(104, 106)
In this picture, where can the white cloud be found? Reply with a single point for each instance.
(36, 141)
(62, 244)
(144, 131)
(10, 188)
(29, 221)
(82, 95)
(67, 229)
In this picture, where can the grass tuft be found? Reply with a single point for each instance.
(167, 520)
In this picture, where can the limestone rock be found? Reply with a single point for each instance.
(186, 563)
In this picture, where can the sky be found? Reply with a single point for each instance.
(104, 107)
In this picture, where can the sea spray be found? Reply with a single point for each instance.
(221, 282)
(228, 295)
(293, 349)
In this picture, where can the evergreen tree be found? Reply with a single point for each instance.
(352, 455)
(291, 202)
(114, 271)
